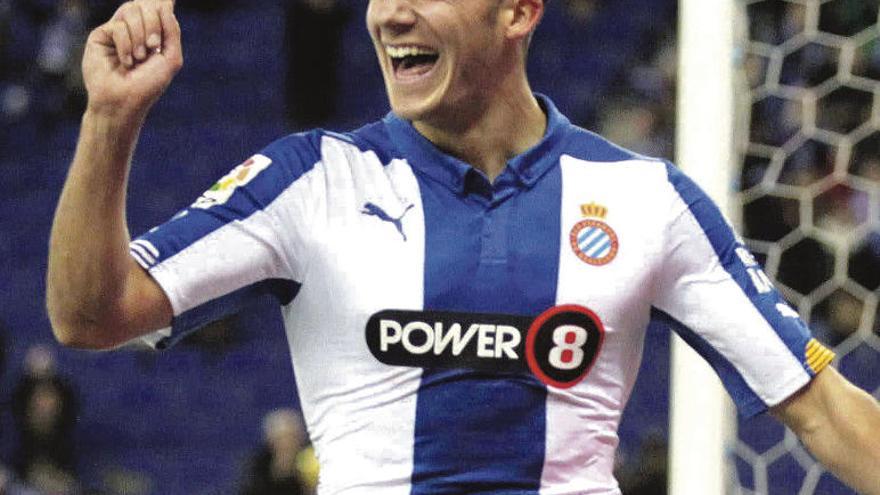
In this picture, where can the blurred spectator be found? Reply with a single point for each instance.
(638, 126)
(867, 60)
(313, 36)
(775, 120)
(10, 486)
(837, 317)
(59, 84)
(808, 164)
(41, 43)
(840, 210)
(284, 465)
(793, 21)
(775, 22)
(581, 11)
(44, 410)
(14, 97)
(63, 34)
(779, 118)
(120, 481)
(866, 159)
(639, 113)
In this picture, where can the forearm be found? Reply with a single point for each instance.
(847, 440)
(88, 249)
(851, 447)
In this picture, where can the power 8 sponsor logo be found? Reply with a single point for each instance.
(559, 346)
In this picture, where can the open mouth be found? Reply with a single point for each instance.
(412, 61)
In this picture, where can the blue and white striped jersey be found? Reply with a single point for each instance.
(451, 335)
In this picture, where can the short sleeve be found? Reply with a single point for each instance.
(247, 236)
(715, 295)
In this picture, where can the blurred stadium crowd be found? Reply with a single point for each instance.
(819, 109)
(215, 415)
(810, 192)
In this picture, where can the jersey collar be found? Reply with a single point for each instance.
(524, 169)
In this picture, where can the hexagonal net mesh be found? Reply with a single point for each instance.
(810, 191)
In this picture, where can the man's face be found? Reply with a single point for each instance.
(437, 56)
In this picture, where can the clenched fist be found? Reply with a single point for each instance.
(130, 60)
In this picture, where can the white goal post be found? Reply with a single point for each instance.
(702, 418)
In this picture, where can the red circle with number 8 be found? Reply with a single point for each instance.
(563, 343)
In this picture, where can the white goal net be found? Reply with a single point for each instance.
(809, 183)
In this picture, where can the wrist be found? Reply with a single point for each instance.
(116, 122)
(121, 116)
(112, 135)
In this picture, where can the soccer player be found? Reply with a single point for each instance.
(465, 284)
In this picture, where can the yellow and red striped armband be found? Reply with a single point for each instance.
(818, 356)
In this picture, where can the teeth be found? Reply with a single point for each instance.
(407, 51)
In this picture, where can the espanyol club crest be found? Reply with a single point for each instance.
(592, 240)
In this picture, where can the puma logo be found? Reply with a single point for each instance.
(370, 209)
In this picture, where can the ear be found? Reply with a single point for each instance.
(522, 17)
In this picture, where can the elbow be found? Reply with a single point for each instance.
(76, 339)
(75, 327)
(78, 332)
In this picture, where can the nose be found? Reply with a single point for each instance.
(396, 15)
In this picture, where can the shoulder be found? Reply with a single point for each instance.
(306, 149)
(589, 148)
(372, 138)
(583, 149)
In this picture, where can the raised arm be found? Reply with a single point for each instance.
(840, 424)
(97, 296)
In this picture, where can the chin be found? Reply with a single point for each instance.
(410, 111)
(414, 108)
(426, 101)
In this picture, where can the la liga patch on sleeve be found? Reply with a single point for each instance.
(240, 176)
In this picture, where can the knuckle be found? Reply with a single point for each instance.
(132, 13)
(98, 33)
(125, 11)
(149, 6)
(120, 30)
(126, 8)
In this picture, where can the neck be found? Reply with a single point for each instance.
(506, 123)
